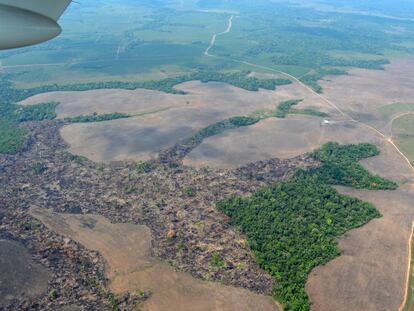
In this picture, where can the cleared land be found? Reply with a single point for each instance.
(409, 298)
(371, 273)
(366, 95)
(20, 276)
(130, 267)
(403, 133)
(362, 93)
(167, 118)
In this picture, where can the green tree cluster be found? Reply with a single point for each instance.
(286, 107)
(292, 226)
(11, 136)
(340, 166)
(97, 117)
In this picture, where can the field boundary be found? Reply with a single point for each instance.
(408, 272)
(329, 102)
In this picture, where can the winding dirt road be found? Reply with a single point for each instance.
(213, 39)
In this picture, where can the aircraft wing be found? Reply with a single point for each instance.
(49, 8)
(28, 22)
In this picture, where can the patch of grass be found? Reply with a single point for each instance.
(403, 131)
(39, 168)
(216, 260)
(143, 167)
(292, 226)
(190, 191)
(388, 111)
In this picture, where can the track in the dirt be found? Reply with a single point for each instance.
(310, 90)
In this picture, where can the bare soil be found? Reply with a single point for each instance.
(20, 276)
(271, 138)
(372, 272)
(176, 203)
(362, 92)
(142, 137)
(130, 267)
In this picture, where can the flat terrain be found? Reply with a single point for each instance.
(20, 276)
(371, 274)
(362, 93)
(370, 96)
(281, 138)
(378, 250)
(127, 250)
(163, 119)
(403, 132)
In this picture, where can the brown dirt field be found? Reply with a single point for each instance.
(20, 276)
(130, 267)
(371, 273)
(362, 91)
(281, 138)
(140, 138)
(206, 97)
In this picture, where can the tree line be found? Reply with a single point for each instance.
(292, 226)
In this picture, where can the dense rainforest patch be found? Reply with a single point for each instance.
(292, 226)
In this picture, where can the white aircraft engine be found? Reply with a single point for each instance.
(24, 22)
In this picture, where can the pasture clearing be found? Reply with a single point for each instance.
(403, 134)
(165, 119)
(367, 95)
(371, 273)
(130, 267)
(21, 277)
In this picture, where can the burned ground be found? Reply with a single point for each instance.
(175, 202)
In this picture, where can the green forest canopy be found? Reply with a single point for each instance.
(292, 226)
